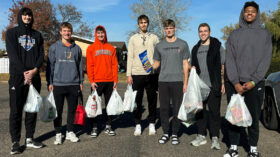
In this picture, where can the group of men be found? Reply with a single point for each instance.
(246, 61)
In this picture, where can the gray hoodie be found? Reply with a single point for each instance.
(65, 64)
(249, 51)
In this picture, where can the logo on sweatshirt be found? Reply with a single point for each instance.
(68, 54)
(26, 42)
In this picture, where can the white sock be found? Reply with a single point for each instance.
(234, 147)
(253, 149)
(166, 135)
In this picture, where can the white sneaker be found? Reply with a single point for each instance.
(199, 140)
(58, 139)
(71, 136)
(137, 131)
(152, 129)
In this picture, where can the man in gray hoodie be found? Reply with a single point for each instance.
(249, 51)
(65, 79)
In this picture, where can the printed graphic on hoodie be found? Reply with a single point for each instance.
(26, 42)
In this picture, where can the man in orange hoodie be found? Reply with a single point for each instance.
(102, 70)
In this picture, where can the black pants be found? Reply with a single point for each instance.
(18, 94)
(212, 116)
(150, 83)
(105, 88)
(253, 100)
(170, 91)
(71, 93)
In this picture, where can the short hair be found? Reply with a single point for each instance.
(251, 4)
(143, 17)
(100, 28)
(27, 11)
(168, 22)
(204, 25)
(66, 25)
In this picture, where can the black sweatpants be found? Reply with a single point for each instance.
(18, 95)
(105, 88)
(212, 116)
(170, 91)
(253, 100)
(150, 83)
(71, 93)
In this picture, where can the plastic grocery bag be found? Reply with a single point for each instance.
(237, 112)
(129, 99)
(33, 100)
(187, 118)
(115, 105)
(48, 112)
(197, 92)
(93, 106)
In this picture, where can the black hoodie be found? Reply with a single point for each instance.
(24, 46)
(249, 51)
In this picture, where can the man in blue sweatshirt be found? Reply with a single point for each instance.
(65, 79)
(249, 51)
(26, 53)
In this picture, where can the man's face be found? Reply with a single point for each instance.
(169, 31)
(204, 33)
(26, 19)
(143, 25)
(100, 35)
(250, 14)
(66, 33)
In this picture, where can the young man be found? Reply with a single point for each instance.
(137, 75)
(26, 53)
(65, 80)
(102, 69)
(208, 57)
(249, 51)
(172, 54)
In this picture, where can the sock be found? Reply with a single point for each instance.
(253, 149)
(166, 135)
(234, 147)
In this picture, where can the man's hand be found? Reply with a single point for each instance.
(248, 86)
(239, 88)
(115, 85)
(28, 75)
(50, 88)
(129, 80)
(94, 86)
(185, 88)
(223, 90)
(81, 87)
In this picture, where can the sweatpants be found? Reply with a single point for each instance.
(212, 116)
(105, 88)
(150, 84)
(18, 95)
(170, 91)
(253, 100)
(71, 94)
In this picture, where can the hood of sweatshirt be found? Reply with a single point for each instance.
(255, 24)
(97, 41)
(21, 24)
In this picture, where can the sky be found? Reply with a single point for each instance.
(116, 16)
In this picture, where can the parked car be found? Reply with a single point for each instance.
(271, 105)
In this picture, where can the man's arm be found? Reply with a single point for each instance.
(130, 56)
(81, 72)
(51, 66)
(186, 74)
(115, 68)
(156, 64)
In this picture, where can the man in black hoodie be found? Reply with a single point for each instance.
(25, 50)
(249, 51)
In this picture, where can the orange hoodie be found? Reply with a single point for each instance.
(102, 63)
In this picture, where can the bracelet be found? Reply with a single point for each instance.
(253, 83)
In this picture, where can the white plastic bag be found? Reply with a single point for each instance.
(48, 112)
(237, 112)
(187, 118)
(33, 100)
(129, 99)
(115, 105)
(93, 106)
(197, 92)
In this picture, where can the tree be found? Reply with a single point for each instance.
(160, 10)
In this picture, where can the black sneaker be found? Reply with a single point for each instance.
(15, 148)
(29, 142)
(94, 133)
(254, 154)
(109, 130)
(231, 153)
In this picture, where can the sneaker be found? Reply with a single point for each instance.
(109, 130)
(152, 130)
(231, 153)
(71, 136)
(58, 139)
(254, 154)
(15, 148)
(199, 140)
(137, 131)
(93, 133)
(29, 142)
(215, 143)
